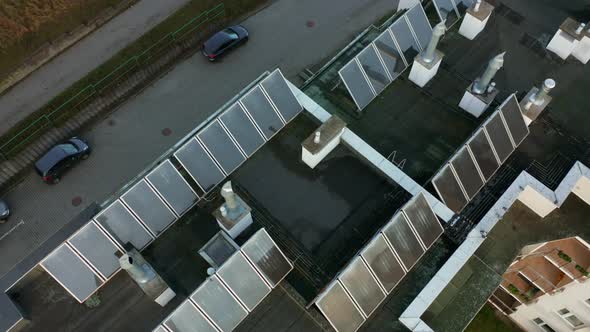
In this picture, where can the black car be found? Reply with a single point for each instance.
(223, 41)
(4, 211)
(61, 157)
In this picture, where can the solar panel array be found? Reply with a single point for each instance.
(380, 63)
(225, 143)
(451, 10)
(237, 287)
(89, 258)
(475, 162)
(373, 274)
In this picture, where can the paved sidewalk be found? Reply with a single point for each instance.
(289, 34)
(55, 76)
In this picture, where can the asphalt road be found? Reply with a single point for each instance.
(48, 81)
(288, 34)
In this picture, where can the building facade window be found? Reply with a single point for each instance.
(542, 325)
(570, 318)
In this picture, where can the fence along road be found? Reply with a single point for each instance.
(131, 138)
(55, 76)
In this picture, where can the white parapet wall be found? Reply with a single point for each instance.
(378, 161)
(526, 189)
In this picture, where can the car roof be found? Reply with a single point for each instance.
(51, 158)
(218, 39)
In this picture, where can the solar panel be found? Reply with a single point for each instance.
(446, 11)
(339, 309)
(267, 257)
(123, 226)
(219, 304)
(362, 286)
(514, 120)
(148, 207)
(405, 39)
(242, 129)
(463, 5)
(449, 190)
(419, 23)
(281, 95)
(71, 272)
(467, 172)
(357, 84)
(499, 137)
(423, 220)
(381, 260)
(258, 106)
(244, 282)
(187, 318)
(97, 249)
(484, 156)
(223, 149)
(403, 241)
(193, 157)
(391, 55)
(173, 188)
(374, 69)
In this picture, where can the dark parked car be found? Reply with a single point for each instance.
(4, 211)
(60, 158)
(223, 41)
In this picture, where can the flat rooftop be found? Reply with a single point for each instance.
(322, 217)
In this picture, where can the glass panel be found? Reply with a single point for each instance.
(499, 137)
(199, 165)
(242, 129)
(281, 95)
(424, 220)
(219, 304)
(420, 24)
(467, 172)
(484, 156)
(338, 308)
(267, 257)
(462, 5)
(362, 286)
(574, 321)
(243, 280)
(186, 318)
(514, 120)
(446, 10)
(405, 39)
(404, 242)
(123, 226)
(218, 250)
(262, 112)
(221, 147)
(390, 54)
(383, 263)
(357, 85)
(97, 249)
(172, 187)
(146, 204)
(374, 69)
(69, 270)
(449, 190)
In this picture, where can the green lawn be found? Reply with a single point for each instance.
(488, 321)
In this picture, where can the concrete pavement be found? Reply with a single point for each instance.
(55, 76)
(131, 138)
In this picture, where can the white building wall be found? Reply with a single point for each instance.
(572, 298)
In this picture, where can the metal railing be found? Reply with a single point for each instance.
(56, 116)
